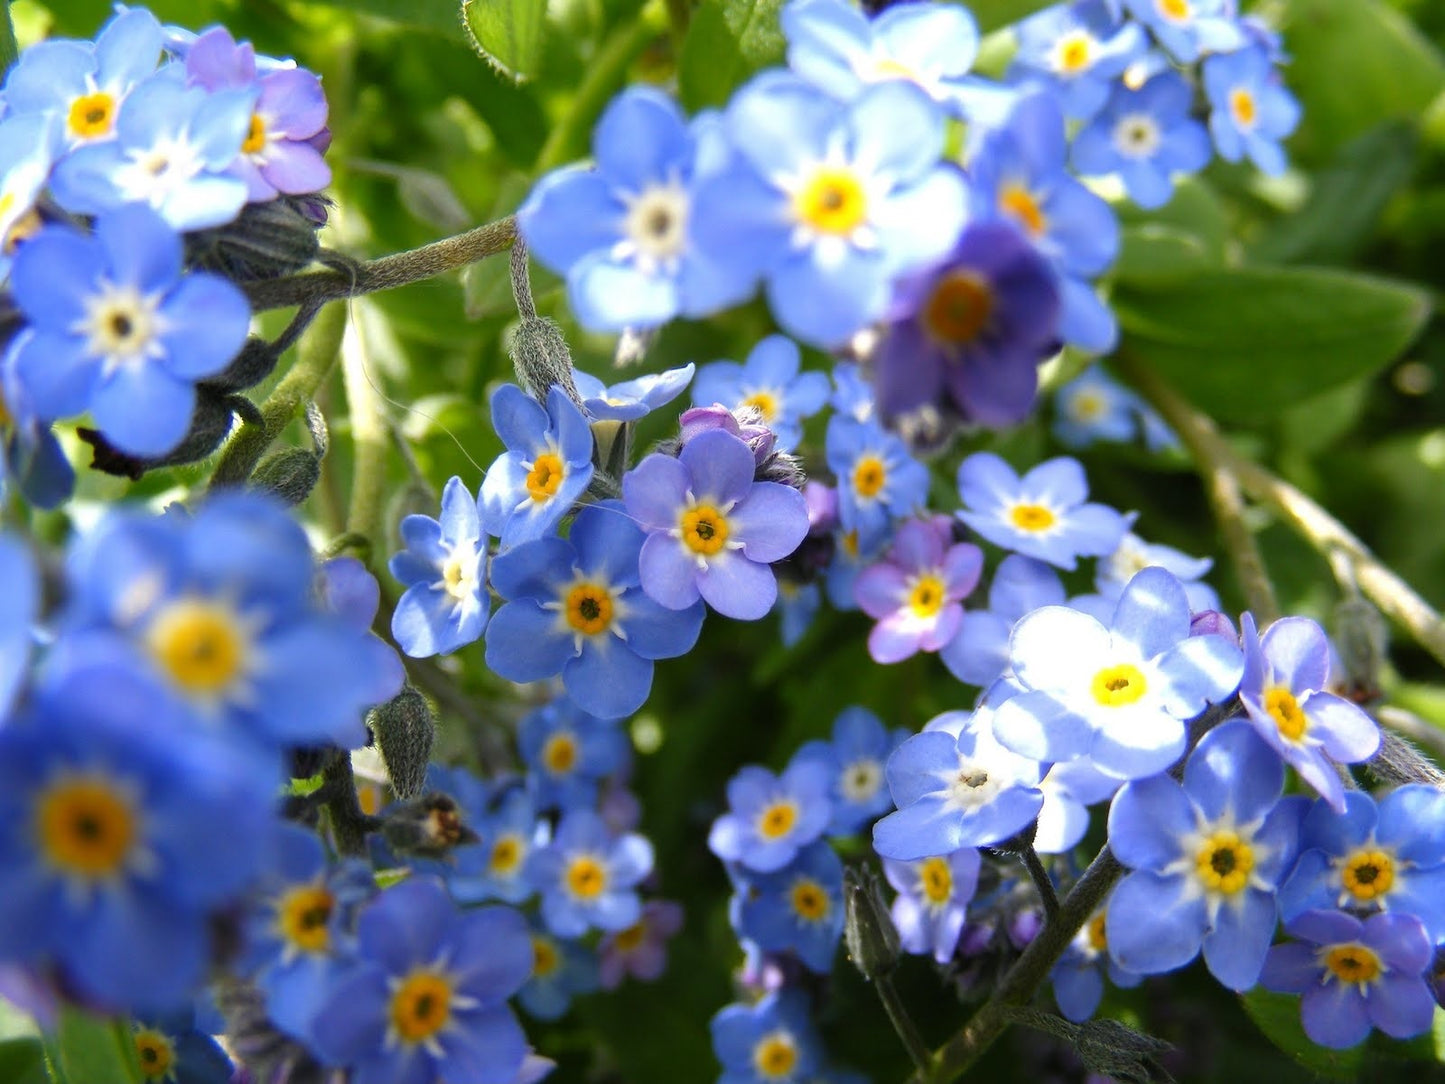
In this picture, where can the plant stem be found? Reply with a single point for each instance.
(1395, 598)
(902, 1022)
(1221, 483)
(1042, 881)
(387, 273)
(316, 355)
(679, 14)
(368, 433)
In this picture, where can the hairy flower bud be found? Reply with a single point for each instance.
(404, 727)
(291, 474)
(868, 932)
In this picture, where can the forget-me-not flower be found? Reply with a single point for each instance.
(769, 1042)
(444, 569)
(933, 897)
(798, 908)
(770, 817)
(878, 481)
(770, 383)
(545, 469)
(1250, 109)
(1077, 50)
(916, 592)
(588, 875)
(856, 755)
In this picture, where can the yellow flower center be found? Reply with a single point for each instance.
(1085, 406)
(421, 1005)
(92, 115)
(704, 530)
(1115, 686)
(959, 308)
(629, 939)
(1284, 709)
(832, 201)
(302, 915)
(927, 596)
(869, 477)
(1241, 105)
(1174, 10)
(1031, 517)
(589, 608)
(586, 877)
(545, 958)
(765, 403)
(545, 477)
(1224, 862)
(506, 855)
(1019, 203)
(777, 820)
(201, 645)
(86, 826)
(1368, 874)
(559, 755)
(848, 541)
(775, 1056)
(1074, 52)
(1095, 932)
(155, 1053)
(936, 879)
(459, 574)
(1352, 962)
(255, 141)
(809, 900)
(7, 203)
(887, 68)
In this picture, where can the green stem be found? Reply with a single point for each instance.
(1042, 881)
(902, 1022)
(368, 433)
(387, 273)
(679, 14)
(9, 48)
(315, 356)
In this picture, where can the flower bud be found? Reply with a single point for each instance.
(291, 474)
(404, 727)
(868, 931)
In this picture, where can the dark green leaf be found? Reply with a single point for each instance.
(88, 1049)
(1243, 344)
(1346, 201)
(22, 1061)
(727, 41)
(992, 14)
(1157, 251)
(1277, 1015)
(1194, 209)
(508, 33)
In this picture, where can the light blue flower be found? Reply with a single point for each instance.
(797, 605)
(1250, 109)
(1069, 790)
(504, 817)
(933, 897)
(443, 567)
(978, 653)
(1078, 977)
(1207, 858)
(955, 786)
(1042, 515)
(769, 1042)
(561, 969)
(1076, 50)
(852, 395)
(568, 752)
(1114, 572)
(770, 818)
(1093, 406)
(630, 399)
(1118, 695)
(625, 232)
(1145, 135)
(588, 876)
(545, 469)
(854, 759)
(797, 909)
(829, 202)
(1190, 28)
(770, 383)
(878, 481)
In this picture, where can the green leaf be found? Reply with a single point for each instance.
(88, 1049)
(1156, 251)
(727, 41)
(433, 15)
(1246, 343)
(1346, 201)
(992, 14)
(1277, 1015)
(1195, 209)
(1355, 63)
(22, 1061)
(508, 33)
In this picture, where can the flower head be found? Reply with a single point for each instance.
(1189, 28)
(855, 757)
(798, 908)
(933, 895)
(588, 876)
(545, 469)
(771, 817)
(1076, 49)
(567, 752)
(629, 400)
(770, 383)
(561, 969)
(1250, 108)
(444, 570)
(769, 1042)
(915, 593)
(878, 481)
(640, 949)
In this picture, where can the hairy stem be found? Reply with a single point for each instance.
(368, 433)
(1042, 881)
(386, 273)
(902, 1022)
(1221, 482)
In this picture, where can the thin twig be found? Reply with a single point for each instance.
(368, 433)
(1042, 881)
(902, 1022)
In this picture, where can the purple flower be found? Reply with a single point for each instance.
(1285, 674)
(588, 876)
(712, 530)
(932, 897)
(1355, 975)
(641, 949)
(972, 329)
(771, 817)
(916, 592)
(770, 383)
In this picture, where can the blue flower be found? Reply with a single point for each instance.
(577, 607)
(543, 472)
(444, 571)
(1018, 172)
(567, 752)
(1286, 673)
(123, 824)
(1093, 407)
(770, 383)
(1078, 976)
(711, 530)
(27, 149)
(221, 607)
(853, 394)
(172, 1049)
(978, 653)
(1207, 858)
(1389, 857)
(955, 786)
(19, 608)
(839, 50)
(561, 969)
(1076, 50)
(798, 908)
(31, 459)
(769, 1042)
(121, 330)
(1119, 695)
(770, 818)
(85, 85)
(173, 148)
(1113, 573)
(625, 233)
(969, 333)
(798, 604)
(878, 480)
(933, 896)
(630, 399)
(1189, 28)
(505, 820)
(588, 876)
(1355, 975)
(427, 1002)
(1250, 109)
(1069, 789)
(855, 758)
(1043, 515)
(1145, 135)
(829, 202)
